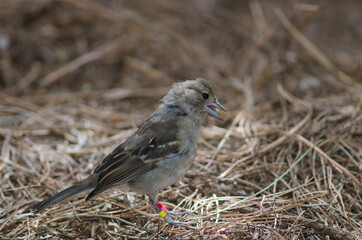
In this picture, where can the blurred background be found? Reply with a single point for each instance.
(78, 77)
(94, 45)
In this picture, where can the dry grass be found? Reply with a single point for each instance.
(78, 77)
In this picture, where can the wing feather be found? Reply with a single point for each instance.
(152, 142)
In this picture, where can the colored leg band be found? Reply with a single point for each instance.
(163, 212)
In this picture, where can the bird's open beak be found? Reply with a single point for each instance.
(212, 108)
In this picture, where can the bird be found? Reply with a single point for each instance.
(158, 154)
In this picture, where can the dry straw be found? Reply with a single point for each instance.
(78, 77)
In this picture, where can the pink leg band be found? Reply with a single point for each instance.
(162, 207)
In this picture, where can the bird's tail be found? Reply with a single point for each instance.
(66, 193)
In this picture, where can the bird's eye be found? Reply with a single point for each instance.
(205, 95)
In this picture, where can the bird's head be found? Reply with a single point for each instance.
(195, 95)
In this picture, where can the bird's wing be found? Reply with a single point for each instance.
(153, 141)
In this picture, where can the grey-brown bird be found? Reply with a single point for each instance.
(158, 154)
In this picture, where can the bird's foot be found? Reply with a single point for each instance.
(167, 215)
(171, 223)
(179, 212)
(176, 213)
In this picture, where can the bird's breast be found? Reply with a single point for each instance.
(174, 166)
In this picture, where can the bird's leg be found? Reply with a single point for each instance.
(162, 211)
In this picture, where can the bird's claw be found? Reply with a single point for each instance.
(176, 213)
(171, 222)
(179, 212)
(183, 224)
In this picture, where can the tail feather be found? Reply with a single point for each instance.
(66, 193)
